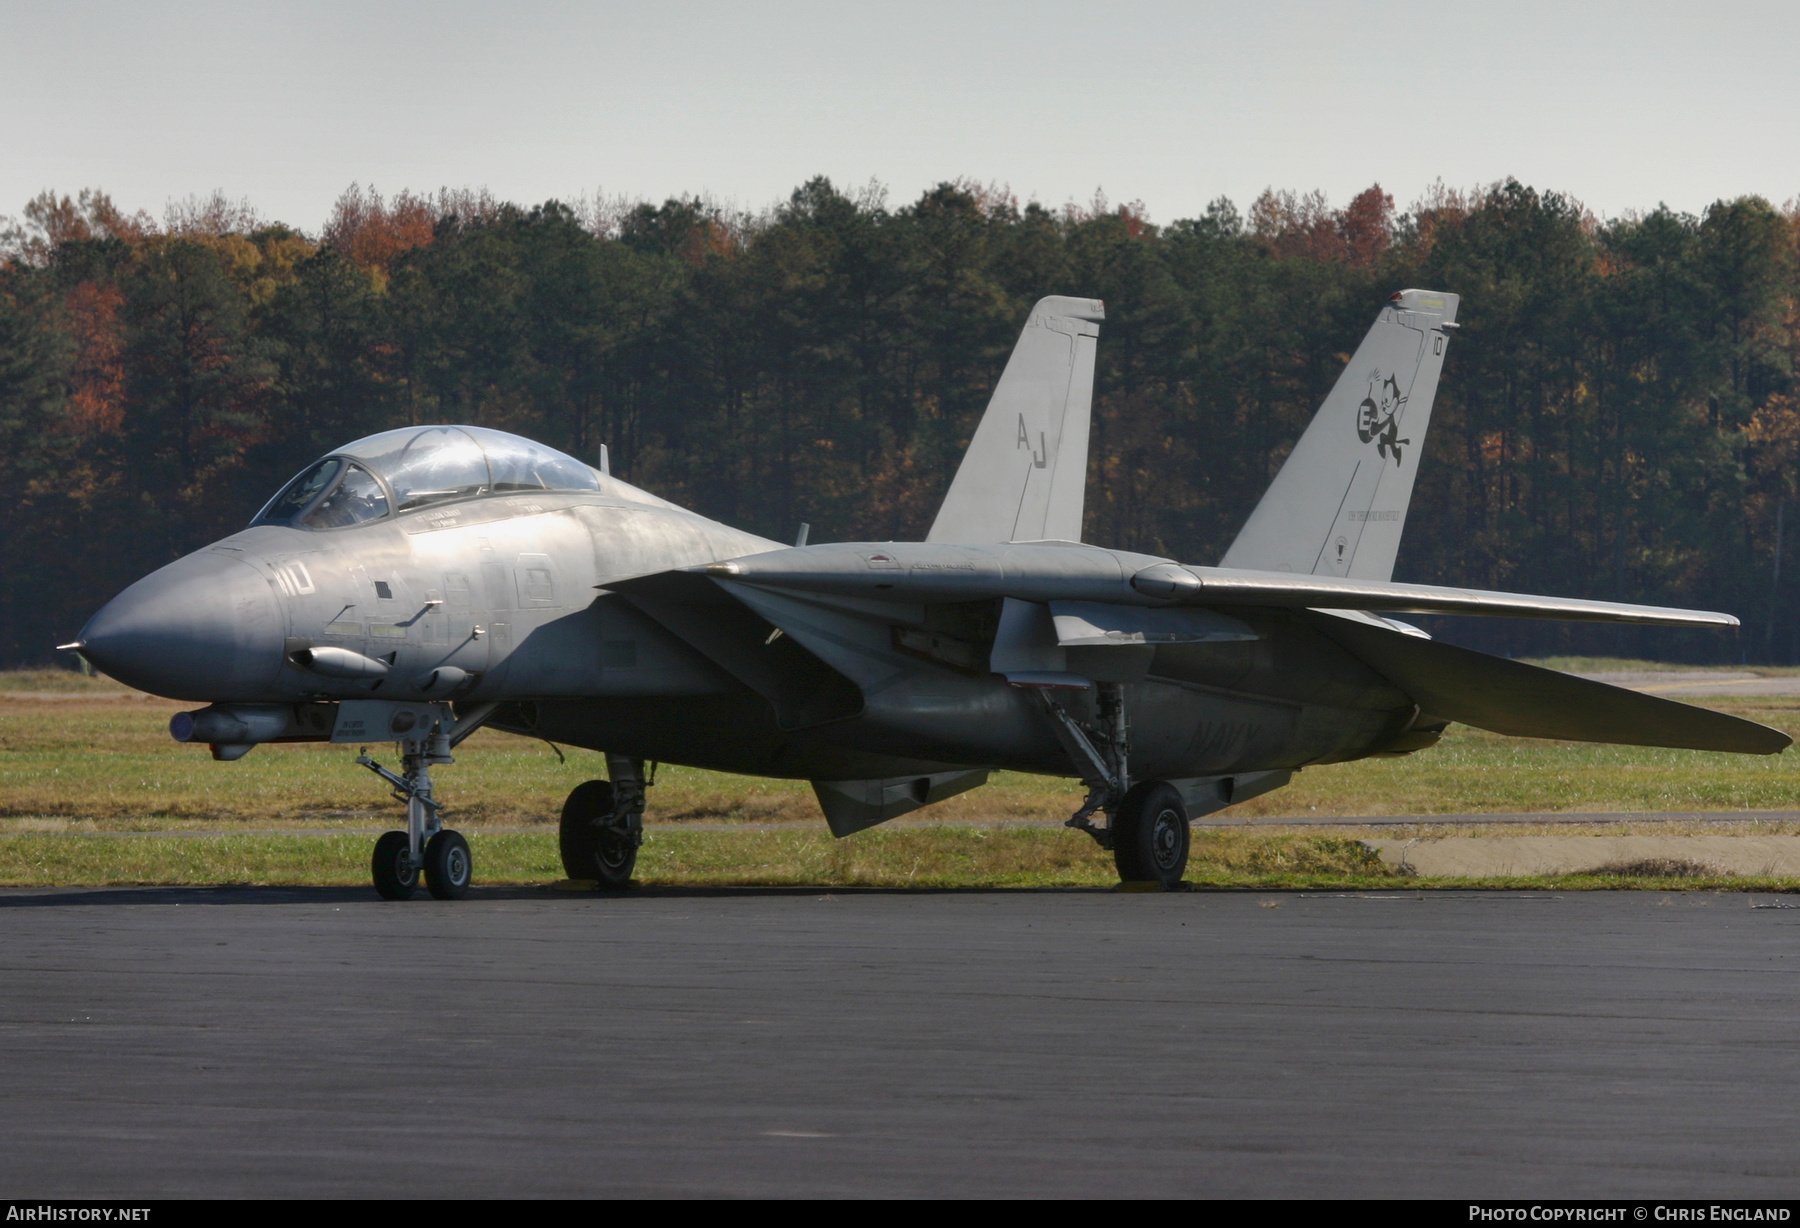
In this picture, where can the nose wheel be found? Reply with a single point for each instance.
(396, 877)
(448, 866)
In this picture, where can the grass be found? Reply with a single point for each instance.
(1630, 665)
(1612, 665)
(108, 764)
(60, 680)
(93, 762)
(1474, 772)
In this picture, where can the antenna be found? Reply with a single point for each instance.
(800, 539)
(605, 461)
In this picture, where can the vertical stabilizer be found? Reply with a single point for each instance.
(1338, 506)
(1025, 473)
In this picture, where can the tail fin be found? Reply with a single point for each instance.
(1338, 505)
(1025, 473)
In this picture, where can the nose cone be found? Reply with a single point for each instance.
(204, 627)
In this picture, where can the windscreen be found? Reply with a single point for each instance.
(298, 494)
(357, 497)
(426, 465)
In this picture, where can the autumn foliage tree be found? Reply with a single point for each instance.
(1618, 417)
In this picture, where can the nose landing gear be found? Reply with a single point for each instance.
(426, 847)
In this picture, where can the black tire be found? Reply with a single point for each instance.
(448, 866)
(591, 853)
(1150, 835)
(395, 876)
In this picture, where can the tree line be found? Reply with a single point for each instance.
(1617, 416)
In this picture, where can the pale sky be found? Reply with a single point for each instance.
(1174, 104)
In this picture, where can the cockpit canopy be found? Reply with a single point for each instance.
(415, 467)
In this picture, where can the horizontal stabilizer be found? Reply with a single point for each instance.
(1510, 697)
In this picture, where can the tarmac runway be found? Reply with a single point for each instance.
(179, 1042)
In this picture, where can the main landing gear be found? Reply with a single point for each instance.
(426, 848)
(603, 825)
(1147, 822)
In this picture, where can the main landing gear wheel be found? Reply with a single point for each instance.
(1150, 835)
(396, 878)
(593, 849)
(448, 866)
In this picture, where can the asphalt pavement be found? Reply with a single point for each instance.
(171, 1042)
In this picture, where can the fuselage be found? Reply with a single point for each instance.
(505, 598)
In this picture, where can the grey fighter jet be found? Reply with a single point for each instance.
(418, 584)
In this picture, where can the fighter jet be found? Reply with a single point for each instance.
(419, 584)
